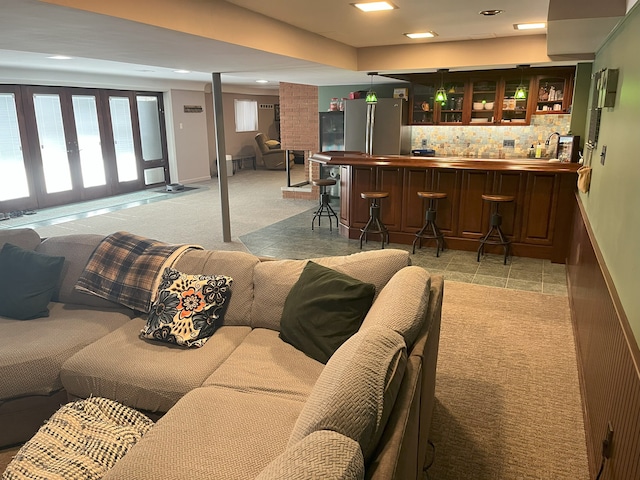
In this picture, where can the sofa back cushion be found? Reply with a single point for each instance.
(402, 304)
(26, 238)
(273, 280)
(77, 250)
(237, 265)
(322, 454)
(357, 389)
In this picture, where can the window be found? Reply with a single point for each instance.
(246, 115)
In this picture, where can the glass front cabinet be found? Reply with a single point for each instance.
(497, 97)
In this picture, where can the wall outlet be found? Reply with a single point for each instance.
(509, 143)
(424, 143)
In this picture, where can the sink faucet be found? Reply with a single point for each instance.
(546, 144)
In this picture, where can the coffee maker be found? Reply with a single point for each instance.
(568, 146)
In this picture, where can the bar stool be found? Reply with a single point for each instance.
(324, 209)
(374, 225)
(430, 230)
(495, 235)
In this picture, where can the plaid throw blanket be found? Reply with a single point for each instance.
(127, 269)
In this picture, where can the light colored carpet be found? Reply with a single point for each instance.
(255, 199)
(508, 400)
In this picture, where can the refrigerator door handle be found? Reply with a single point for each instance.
(371, 115)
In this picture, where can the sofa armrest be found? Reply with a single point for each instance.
(396, 455)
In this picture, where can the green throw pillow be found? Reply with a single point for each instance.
(323, 309)
(28, 280)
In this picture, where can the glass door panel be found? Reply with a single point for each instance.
(89, 144)
(451, 108)
(13, 181)
(53, 145)
(483, 100)
(515, 101)
(123, 139)
(149, 123)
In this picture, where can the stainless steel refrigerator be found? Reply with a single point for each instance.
(378, 129)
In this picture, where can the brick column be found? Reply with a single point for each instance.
(299, 127)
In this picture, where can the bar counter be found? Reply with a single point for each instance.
(537, 221)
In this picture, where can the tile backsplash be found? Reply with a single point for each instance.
(488, 141)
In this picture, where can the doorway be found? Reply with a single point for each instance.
(61, 145)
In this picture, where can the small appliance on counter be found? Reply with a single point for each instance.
(424, 152)
(568, 146)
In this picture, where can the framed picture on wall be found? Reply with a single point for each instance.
(276, 112)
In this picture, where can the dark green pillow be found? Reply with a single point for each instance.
(28, 280)
(323, 309)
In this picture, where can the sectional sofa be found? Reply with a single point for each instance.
(246, 404)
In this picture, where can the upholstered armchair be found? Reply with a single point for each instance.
(273, 156)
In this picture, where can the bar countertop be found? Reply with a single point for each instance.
(460, 163)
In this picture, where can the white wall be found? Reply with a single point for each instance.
(187, 137)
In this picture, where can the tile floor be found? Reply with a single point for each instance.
(293, 238)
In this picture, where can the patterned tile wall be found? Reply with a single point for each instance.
(487, 141)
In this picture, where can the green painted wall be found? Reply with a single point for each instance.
(580, 101)
(613, 203)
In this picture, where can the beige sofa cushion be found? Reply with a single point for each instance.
(212, 433)
(33, 351)
(144, 374)
(26, 238)
(264, 363)
(357, 389)
(273, 280)
(321, 455)
(402, 304)
(237, 265)
(77, 250)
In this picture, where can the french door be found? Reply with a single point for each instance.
(62, 145)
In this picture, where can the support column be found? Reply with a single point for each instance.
(221, 151)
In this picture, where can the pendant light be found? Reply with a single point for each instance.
(371, 95)
(441, 93)
(521, 91)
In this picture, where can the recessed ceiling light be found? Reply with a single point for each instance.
(421, 35)
(374, 6)
(490, 13)
(182, 71)
(59, 57)
(262, 81)
(528, 26)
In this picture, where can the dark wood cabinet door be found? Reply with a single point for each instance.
(510, 183)
(473, 212)
(540, 208)
(363, 179)
(390, 180)
(415, 180)
(447, 181)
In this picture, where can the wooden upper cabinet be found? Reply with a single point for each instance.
(490, 97)
(484, 105)
(553, 94)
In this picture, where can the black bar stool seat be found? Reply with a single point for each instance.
(430, 229)
(374, 225)
(324, 208)
(495, 235)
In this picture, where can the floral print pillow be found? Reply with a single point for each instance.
(188, 309)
